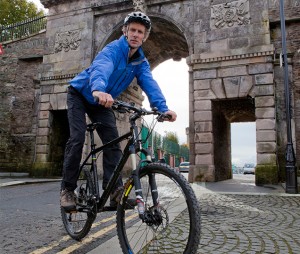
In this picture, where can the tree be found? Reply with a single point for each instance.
(184, 152)
(157, 142)
(13, 11)
(172, 136)
(170, 143)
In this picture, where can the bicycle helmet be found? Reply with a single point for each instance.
(139, 17)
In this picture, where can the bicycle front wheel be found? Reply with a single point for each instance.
(173, 226)
(78, 223)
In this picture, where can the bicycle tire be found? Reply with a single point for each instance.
(179, 230)
(78, 223)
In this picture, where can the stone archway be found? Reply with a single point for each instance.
(228, 45)
(244, 88)
(224, 113)
(166, 40)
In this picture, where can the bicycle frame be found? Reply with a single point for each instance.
(131, 149)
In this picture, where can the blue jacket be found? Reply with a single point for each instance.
(111, 72)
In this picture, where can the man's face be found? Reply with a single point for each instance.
(136, 33)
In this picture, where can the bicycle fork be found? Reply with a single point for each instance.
(138, 187)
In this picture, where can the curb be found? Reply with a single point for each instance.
(13, 174)
(12, 182)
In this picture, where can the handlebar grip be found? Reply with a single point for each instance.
(164, 117)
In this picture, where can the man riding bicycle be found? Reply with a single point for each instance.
(108, 76)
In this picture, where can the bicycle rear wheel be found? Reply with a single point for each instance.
(78, 223)
(175, 223)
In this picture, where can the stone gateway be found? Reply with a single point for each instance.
(232, 49)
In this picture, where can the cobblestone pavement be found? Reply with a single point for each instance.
(241, 223)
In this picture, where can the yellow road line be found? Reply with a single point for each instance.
(92, 237)
(66, 238)
(85, 240)
(51, 246)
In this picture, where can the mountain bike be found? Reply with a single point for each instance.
(165, 217)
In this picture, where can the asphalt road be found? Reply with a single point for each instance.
(30, 222)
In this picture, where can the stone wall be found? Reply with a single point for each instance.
(19, 68)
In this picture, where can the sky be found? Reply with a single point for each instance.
(243, 143)
(175, 89)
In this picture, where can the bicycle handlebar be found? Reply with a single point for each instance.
(123, 107)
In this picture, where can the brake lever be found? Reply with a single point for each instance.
(118, 108)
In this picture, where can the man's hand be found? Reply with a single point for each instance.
(105, 99)
(172, 114)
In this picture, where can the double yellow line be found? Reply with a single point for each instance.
(86, 240)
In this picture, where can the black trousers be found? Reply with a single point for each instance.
(78, 107)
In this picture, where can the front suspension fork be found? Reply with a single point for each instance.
(138, 187)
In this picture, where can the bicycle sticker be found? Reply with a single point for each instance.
(128, 190)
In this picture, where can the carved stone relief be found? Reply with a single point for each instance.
(231, 14)
(139, 5)
(67, 41)
(295, 3)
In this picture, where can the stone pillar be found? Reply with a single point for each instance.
(159, 154)
(202, 117)
(172, 160)
(266, 169)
